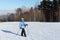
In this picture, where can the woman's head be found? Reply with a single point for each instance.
(22, 19)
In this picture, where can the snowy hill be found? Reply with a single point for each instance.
(34, 30)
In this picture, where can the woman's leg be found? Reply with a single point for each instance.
(22, 32)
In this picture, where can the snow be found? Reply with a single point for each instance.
(34, 31)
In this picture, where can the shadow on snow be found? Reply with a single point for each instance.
(6, 31)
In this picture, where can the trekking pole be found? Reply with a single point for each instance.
(27, 30)
(18, 32)
(29, 34)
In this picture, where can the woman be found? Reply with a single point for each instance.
(22, 26)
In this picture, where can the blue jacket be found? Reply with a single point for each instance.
(22, 25)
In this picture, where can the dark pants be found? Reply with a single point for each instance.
(23, 32)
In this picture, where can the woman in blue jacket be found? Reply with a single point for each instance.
(22, 25)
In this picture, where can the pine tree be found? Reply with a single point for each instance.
(54, 7)
(46, 7)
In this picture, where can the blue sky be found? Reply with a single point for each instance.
(13, 4)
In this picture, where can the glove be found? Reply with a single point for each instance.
(26, 24)
(20, 28)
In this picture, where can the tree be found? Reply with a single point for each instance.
(58, 9)
(54, 9)
(31, 13)
(46, 7)
(19, 12)
(59, 1)
(11, 17)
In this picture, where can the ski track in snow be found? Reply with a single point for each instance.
(34, 31)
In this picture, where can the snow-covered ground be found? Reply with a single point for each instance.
(34, 31)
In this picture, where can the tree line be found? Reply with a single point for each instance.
(46, 11)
